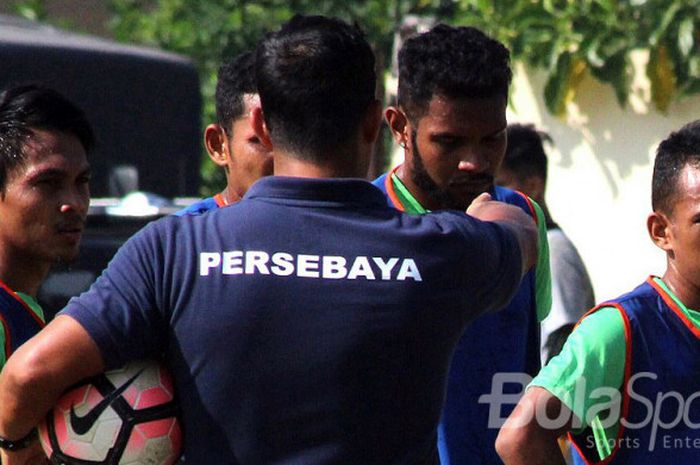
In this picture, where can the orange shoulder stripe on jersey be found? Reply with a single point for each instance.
(391, 192)
(674, 306)
(24, 304)
(530, 206)
(220, 201)
(625, 381)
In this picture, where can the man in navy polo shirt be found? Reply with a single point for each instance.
(309, 322)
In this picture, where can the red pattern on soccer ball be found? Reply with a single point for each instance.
(138, 427)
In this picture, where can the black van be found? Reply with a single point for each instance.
(145, 107)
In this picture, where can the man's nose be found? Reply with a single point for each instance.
(77, 200)
(473, 161)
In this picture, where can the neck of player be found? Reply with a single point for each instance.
(21, 274)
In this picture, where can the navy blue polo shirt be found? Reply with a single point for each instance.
(308, 323)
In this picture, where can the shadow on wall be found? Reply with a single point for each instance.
(621, 139)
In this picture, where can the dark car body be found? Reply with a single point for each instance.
(145, 108)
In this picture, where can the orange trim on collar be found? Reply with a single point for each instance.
(391, 192)
(674, 306)
(220, 200)
(530, 206)
(24, 304)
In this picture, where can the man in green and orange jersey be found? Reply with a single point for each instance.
(231, 142)
(44, 199)
(451, 122)
(624, 384)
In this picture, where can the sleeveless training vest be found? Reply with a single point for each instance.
(661, 387)
(19, 321)
(506, 341)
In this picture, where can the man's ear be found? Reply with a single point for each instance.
(659, 228)
(260, 128)
(216, 143)
(396, 119)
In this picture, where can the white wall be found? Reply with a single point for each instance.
(599, 187)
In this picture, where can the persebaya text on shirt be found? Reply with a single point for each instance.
(235, 262)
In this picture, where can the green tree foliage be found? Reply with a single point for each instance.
(569, 39)
(211, 30)
(34, 10)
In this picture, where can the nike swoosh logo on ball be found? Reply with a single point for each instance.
(82, 424)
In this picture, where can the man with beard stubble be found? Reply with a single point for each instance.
(450, 121)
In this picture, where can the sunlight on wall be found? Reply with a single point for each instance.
(599, 186)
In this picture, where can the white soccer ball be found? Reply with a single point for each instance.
(122, 417)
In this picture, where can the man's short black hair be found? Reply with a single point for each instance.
(31, 106)
(679, 149)
(455, 62)
(235, 79)
(525, 156)
(316, 80)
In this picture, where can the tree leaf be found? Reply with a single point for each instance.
(694, 67)
(666, 19)
(662, 78)
(555, 89)
(686, 36)
(576, 74)
(592, 54)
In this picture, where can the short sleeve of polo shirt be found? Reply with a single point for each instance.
(499, 275)
(120, 310)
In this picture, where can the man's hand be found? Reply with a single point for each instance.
(478, 203)
(515, 219)
(31, 455)
(36, 375)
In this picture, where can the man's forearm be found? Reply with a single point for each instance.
(24, 397)
(40, 370)
(523, 440)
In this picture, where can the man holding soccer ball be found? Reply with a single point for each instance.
(309, 322)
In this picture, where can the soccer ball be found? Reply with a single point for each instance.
(122, 417)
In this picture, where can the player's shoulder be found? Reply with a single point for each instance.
(158, 233)
(562, 250)
(199, 207)
(517, 198)
(557, 236)
(504, 194)
(604, 326)
(380, 180)
(596, 343)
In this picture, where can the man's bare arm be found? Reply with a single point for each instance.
(528, 437)
(37, 374)
(515, 219)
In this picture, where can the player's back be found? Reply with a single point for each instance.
(310, 323)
